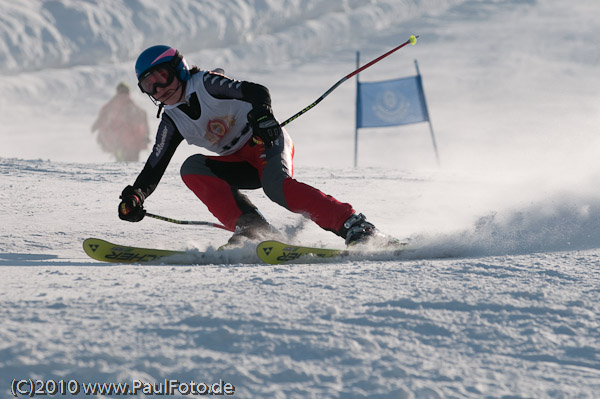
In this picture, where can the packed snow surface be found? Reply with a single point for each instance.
(499, 296)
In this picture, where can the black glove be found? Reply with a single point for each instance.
(131, 207)
(264, 125)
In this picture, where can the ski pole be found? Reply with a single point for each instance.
(193, 222)
(411, 40)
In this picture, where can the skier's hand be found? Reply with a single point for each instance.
(131, 207)
(264, 125)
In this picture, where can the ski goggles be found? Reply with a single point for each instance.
(161, 77)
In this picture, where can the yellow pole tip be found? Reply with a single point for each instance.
(412, 40)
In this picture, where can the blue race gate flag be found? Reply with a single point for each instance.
(391, 103)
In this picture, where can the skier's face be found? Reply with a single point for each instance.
(162, 85)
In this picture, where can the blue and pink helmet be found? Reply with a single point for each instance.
(161, 56)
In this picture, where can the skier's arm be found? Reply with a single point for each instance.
(222, 87)
(168, 139)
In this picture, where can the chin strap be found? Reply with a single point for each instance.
(182, 85)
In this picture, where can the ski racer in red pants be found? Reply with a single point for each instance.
(234, 120)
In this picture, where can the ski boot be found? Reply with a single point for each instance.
(357, 231)
(251, 226)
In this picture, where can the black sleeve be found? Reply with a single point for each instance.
(168, 139)
(222, 87)
(256, 94)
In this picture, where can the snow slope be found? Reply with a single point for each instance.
(500, 298)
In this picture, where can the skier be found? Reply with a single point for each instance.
(122, 127)
(233, 119)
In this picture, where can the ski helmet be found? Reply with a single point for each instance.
(161, 56)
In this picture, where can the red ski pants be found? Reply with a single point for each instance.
(216, 180)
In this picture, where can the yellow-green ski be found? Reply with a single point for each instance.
(105, 251)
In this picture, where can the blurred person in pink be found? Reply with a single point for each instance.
(122, 127)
